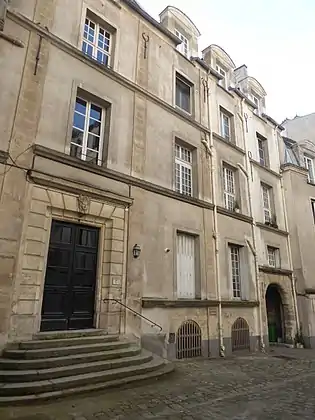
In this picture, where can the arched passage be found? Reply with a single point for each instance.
(188, 340)
(275, 316)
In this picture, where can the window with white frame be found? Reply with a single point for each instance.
(273, 255)
(183, 93)
(235, 262)
(225, 125)
(309, 165)
(266, 192)
(186, 272)
(97, 42)
(184, 46)
(257, 101)
(262, 150)
(222, 72)
(183, 170)
(87, 131)
(229, 188)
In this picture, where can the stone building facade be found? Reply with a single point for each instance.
(137, 174)
(297, 158)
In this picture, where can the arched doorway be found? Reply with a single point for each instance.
(188, 340)
(240, 335)
(274, 314)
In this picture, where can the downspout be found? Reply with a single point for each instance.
(253, 247)
(286, 224)
(210, 150)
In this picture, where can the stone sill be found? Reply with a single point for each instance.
(272, 229)
(234, 215)
(229, 143)
(265, 168)
(195, 303)
(272, 270)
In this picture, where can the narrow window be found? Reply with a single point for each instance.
(183, 170)
(235, 270)
(273, 256)
(184, 46)
(225, 125)
(262, 151)
(266, 204)
(97, 42)
(186, 277)
(183, 93)
(222, 72)
(309, 165)
(229, 188)
(257, 101)
(87, 131)
(313, 208)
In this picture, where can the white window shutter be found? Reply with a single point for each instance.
(185, 266)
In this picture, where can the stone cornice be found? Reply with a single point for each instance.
(294, 168)
(265, 168)
(117, 176)
(272, 229)
(229, 143)
(195, 303)
(234, 215)
(272, 270)
(107, 71)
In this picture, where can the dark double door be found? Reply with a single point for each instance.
(69, 292)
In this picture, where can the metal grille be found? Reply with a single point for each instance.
(188, 340)
(240, 335)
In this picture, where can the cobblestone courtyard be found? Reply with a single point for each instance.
(247, 387)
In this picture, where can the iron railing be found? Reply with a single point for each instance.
(153, 324)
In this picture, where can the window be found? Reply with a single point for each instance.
(235, 270)
(257, 101)
(309, 165)
(183, 170)
(313, 208)
(229, 188)
(87, 131)
(186, 281)
(262, 150)
(183, 93)
(225, 125)
(184, 46)
(222, 72)
(273, 256)
(266, 203)
(97, 42)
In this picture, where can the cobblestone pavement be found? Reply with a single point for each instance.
(253, 387)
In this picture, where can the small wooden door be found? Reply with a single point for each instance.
(69, 292)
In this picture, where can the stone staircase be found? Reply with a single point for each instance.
(60, 364)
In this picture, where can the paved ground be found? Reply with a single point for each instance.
(252, 387)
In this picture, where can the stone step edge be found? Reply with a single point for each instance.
(116, 344)
(165, 369)
(25, 387)
(104, 365)
(117, 354)
(69, 342)
(51, 335)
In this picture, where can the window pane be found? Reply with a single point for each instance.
(95, 127)
(77, 137)
(78, 121)
(80, 106)
(92, 156)
(93, 142)
(96, 112)
(182, 95)
(76, 151)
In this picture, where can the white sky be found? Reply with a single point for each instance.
(274, 38)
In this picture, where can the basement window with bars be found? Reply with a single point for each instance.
(183, 170)
(87, 131)
(97, 41)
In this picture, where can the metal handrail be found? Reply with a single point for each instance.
(135, 312)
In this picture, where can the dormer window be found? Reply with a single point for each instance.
(257, 101)
(184, 46)
(223, 82)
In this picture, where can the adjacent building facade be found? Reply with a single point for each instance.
(141, 187)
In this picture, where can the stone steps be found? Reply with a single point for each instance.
(57, 364)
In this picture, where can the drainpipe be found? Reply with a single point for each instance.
(253, 247)
(286, 224)
(210, 151)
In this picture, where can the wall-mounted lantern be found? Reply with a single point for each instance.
(136, 251)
